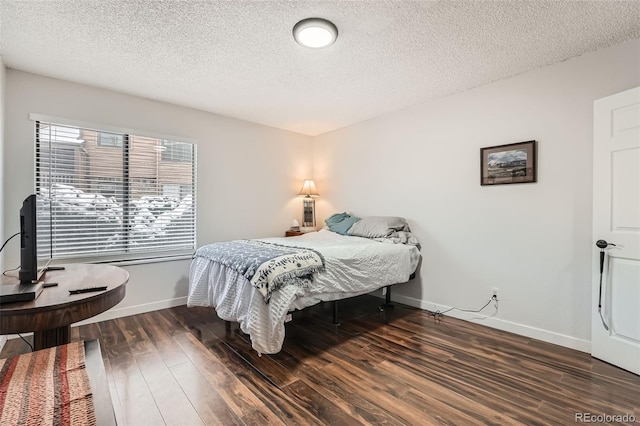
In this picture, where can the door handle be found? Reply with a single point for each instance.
(602, 244)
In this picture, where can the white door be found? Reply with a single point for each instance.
(616, 220)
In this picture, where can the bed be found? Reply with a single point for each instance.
(352, 266)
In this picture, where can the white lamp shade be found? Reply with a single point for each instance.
(309, 189)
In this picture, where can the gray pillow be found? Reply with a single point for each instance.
(378, 226)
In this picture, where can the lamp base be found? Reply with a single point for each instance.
(308, 213)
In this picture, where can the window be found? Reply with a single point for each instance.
(176, 151)
(124, 203)
(109, 139)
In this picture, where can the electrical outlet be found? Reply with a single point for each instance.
(494, 292)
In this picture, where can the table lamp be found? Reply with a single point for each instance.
(308, 203)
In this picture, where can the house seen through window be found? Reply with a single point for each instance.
(109, 139)
(113, 196)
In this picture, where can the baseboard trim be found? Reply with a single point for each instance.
(500, 324)
(497, 323)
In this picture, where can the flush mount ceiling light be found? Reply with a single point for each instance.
(315, 33)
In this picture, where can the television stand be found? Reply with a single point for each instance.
(51, 268)
(19, 292)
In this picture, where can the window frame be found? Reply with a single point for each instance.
(135, 256)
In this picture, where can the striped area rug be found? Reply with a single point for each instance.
(46, 387)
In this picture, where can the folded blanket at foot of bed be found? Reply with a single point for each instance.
(268, 266)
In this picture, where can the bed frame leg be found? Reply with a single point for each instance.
(387, 300)
(336, 321)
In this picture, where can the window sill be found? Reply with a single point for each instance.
(125, 262)
(128, 262)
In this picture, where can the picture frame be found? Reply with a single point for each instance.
(510, 163)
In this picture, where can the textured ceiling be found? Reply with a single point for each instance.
(238, 58)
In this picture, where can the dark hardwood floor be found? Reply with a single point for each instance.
(181, 366)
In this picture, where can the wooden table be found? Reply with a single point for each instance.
(50, 315)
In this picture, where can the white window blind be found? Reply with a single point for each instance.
(107, 196)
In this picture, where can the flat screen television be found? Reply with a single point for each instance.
(28, 289)
(28, 241)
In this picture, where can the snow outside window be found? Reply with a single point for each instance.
(105, 196)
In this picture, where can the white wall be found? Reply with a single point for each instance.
(248, 174)
(2, 109)
(533, 241)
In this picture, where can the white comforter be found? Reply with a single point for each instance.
(354, 266)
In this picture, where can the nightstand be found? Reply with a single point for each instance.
(293, 233)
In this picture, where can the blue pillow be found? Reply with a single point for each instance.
(335, 218)
(340, 223)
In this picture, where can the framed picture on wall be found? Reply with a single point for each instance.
(512, 163)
